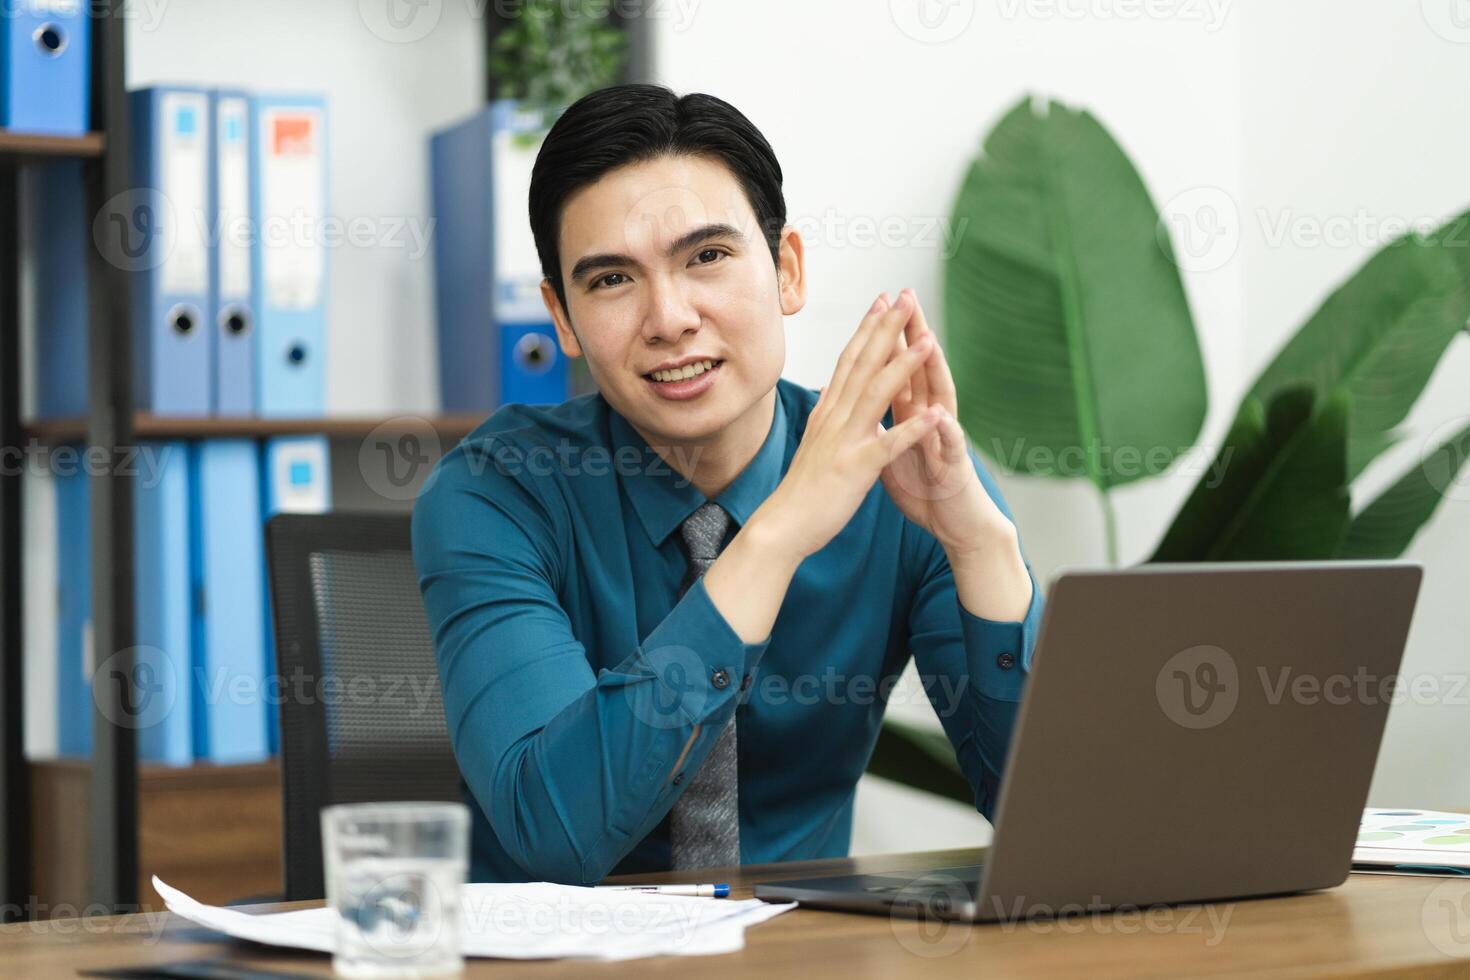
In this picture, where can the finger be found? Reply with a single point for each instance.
(915, 329)
(904, 404)
(938, 382)
(876, 352)
(946, 446)
(854, 346)
(901, 438)
(876, 395)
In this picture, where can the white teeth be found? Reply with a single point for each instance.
(681, 373)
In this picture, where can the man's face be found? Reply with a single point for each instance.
(666, 269)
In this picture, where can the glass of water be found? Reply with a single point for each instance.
(393, 872)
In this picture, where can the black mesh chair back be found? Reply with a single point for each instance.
(362, 716)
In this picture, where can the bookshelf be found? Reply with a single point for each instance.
(449, 428)
(112, 814)
(25, 146)
(110, 817)
(108, 797)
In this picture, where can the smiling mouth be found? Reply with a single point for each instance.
(684, 373)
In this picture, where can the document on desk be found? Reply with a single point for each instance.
(1399, 840)
(527, 922)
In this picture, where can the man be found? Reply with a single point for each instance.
(667, 616)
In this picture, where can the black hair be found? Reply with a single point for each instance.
(625, 124)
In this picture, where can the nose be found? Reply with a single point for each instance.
(670, 314)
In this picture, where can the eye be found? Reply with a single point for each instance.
(709, 256)
(605, 283)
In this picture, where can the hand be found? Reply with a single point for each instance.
(845, 446)
(934, 482)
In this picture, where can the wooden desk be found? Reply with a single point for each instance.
(1374, 926)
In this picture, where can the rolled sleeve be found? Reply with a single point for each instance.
(698, 657)
(1000, 653)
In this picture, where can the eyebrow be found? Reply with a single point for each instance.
(589, 264)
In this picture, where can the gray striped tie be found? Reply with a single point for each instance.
(704, 825)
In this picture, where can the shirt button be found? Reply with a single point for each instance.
(720, 679)
(678, 779)
(1005, 661)
(745, 683)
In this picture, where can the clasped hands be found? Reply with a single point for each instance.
(893, 361)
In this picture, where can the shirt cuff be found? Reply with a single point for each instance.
(699, 657)
(1000, 652)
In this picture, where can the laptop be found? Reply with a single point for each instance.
(1189, 733)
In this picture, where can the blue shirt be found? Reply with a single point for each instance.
(580, 696)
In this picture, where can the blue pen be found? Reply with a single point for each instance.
(721, 890)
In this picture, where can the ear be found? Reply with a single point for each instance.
(791, 271)
(565, 336)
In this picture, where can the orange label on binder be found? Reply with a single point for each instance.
(293, 135)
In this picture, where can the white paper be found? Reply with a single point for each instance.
(528, 921)
(1403, 835)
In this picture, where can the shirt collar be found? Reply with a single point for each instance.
(663, 498)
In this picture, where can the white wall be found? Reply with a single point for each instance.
(1309, 107)
(1356, 122)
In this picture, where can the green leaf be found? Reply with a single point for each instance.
(1277, 490)
(1386, 526)
(1073, 349)
(921, 759)
(1379, 336)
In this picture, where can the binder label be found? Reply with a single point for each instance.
(292, 208)
(517, 294)
(233, 181)
(184, 174)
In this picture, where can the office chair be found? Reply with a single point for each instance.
(362, 716)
